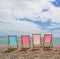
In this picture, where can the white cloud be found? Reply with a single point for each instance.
(31, 9)
(20, 26)
(54, 26)
(10, 9)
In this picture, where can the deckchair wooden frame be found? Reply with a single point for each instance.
(12, 47)
(50, 44)
(25, 48)
(36, 47)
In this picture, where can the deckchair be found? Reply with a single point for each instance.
(25, 42)
(36, 41)
(48, 41)
(12, 43)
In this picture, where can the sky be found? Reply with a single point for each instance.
(19, 17)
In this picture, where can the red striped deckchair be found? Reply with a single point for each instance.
(48, 40)
(25, 42)
(36, 41)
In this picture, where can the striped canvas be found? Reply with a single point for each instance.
(12, 41)
(36, 38)
(25, 39)
(47, 38)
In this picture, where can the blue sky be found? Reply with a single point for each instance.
(29, 16)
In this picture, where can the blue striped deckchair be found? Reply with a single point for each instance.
(12, 43)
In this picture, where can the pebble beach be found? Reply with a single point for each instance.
(30, 54)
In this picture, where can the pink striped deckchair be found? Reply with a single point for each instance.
(48, 40)
(36, 41)
(25, 40)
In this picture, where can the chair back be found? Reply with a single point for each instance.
(25, 41)
(47, 38)
(36, 38)
(12, 41)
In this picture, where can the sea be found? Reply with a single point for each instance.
(4, 41)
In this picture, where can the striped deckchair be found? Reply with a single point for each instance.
(25, 42)
(36, 41)
(48, 41)
(12, 43)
